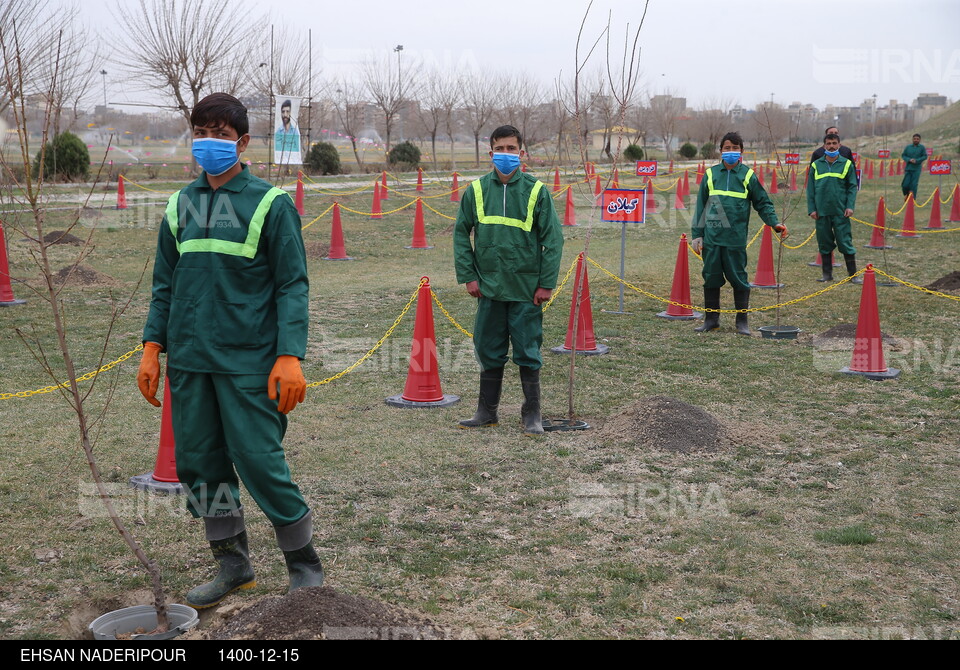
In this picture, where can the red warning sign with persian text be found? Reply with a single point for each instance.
(646, 168)
(623, 205)
(792, 159)
(883, 153)
(940, 167)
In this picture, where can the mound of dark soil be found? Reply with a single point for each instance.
(321, 613)
(317, 250)
(667, 424)
(950, 282)
(83, 275)
(61, 237)
(849, 330)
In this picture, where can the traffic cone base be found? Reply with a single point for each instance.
(680, 290)
(585, 340)
(163, 479)
(867, 359)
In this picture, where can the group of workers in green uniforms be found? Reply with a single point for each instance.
(229, 308)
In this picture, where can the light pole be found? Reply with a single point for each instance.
(103, 73)
(398, 50)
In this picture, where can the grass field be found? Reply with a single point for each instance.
(831, 509)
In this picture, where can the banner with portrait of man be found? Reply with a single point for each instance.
(286, 137)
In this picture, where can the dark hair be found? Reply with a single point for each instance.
(827, 130)
(286, 103)
(917, 135)
(220, 109)
(734, 137)
(831, 136)
(506, 131)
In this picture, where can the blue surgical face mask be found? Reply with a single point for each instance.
(506, 163)
(832, 154)
(215, 156)
(730, 157)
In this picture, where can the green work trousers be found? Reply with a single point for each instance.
(728, 263)
(500, 323)
(225, 426)
(833, 232)
(911, 180)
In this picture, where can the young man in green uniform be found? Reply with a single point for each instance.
(913, 156)
(831, 198)
(511, 268)
(229, 308)
(719, 229)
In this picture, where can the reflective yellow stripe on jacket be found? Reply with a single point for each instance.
(246, 249)
(733, 194)
(838, 175)
(526, 225)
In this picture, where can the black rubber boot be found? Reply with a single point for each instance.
(711, 320)
(491, 383)
(304, 568)
(827, 267)
(530, 411)
(235, 572)
(741, 300)
(851, 261)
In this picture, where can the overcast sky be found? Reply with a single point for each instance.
(816, 51)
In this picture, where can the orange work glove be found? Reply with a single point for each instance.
(288, 376)
(148, 376)
(782, 229)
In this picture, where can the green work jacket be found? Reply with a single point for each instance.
(723, 215)
(918, 152)
(517, 240)
(831, 188)
(230, 283)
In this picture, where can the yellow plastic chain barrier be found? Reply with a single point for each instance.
(133, 183)
(325, 192)
(451, 218)
(919, 231)
(759, 232)
(89, 375)
(667, 188)
(360, 361)
(787, 246)
(450, 316)
(392, 211)
(904, 205)
(914, 286)
(318, 218)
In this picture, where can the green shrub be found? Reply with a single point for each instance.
(708, 150)
(323, 158)
(404, 155)
(633, 153)
(688, 151)
(66, 157)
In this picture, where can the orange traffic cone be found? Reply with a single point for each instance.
(701, 170)
(570, 213)
(163, 479)
(597, 190)
(678, 198)
(376, 212)
(670, 171)
(899, 167)
(616, 178)
(455, 189)
(793, 181)
(890, 173)
(556, 180)
(419, 232)
(955, 207)
(651, 199)
(881, 169)
(384, 191)
(935, 210)
(298, 201)
(6, 290)
(909, 225)
(121, 194)
(759, 173)
(877, 240)
(867, 357)
(423, 375)
(773, 181)
(586, 340)
(765, 276)
(420, 180)
(338, 251)
(680, 292)
(686, 183)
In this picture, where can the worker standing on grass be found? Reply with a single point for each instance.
(831, 197)
(913, 156)
(511, 267)
(719, 229)
(845, 151)
(229, 308)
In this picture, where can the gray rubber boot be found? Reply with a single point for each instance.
(235, 572)
(741, 300)
(711, 320)
(826, 267)
(530, 411)
(296, 543)
(491, 384)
